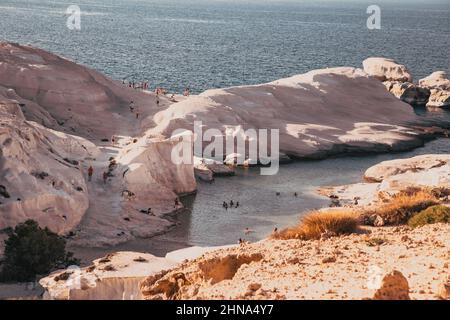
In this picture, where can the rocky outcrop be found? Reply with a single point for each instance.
(439, 86)
(386, 70)
(320, 113)
(390, 177)
(208, 169)
(394, 286)
(439, 98)
(114, 277)
(432, 91)
(436, 80)
(408, 92)
(390, 168)
(351, 267)
(180, 285)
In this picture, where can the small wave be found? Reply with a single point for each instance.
(49, 11)
(190, 20)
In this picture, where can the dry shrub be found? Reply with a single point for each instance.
(404, 205)
(316, 224)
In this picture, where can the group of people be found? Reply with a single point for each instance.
(91, 173)
(230, 205)
(278, 194)
(144, 85)
(136, 85)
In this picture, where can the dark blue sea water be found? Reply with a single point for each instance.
(210, 43)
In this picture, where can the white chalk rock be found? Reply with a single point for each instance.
(114, 277)
(386, 70)
(319, 113)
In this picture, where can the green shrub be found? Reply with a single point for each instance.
(435, 214)
(31, 251)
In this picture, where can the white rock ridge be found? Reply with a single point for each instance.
(319, 113)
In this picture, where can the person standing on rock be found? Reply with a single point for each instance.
(90, 173)
(105, 177)
(131, 106)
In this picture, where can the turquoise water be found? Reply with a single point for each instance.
(204, 44)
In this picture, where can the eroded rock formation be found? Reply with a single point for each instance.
(320, 113)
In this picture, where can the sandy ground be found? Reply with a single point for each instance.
(349, 267)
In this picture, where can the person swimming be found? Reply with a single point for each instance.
(248, 231)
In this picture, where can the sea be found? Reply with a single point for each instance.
(204, 44)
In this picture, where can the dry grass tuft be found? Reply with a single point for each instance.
(316, 225)
(403, 206)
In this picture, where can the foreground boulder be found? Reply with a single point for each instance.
(386, 70)
(444, 289)
(394, 286)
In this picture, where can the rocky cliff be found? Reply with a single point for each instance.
(57, 119)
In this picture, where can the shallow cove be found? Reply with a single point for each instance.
(206, 223)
